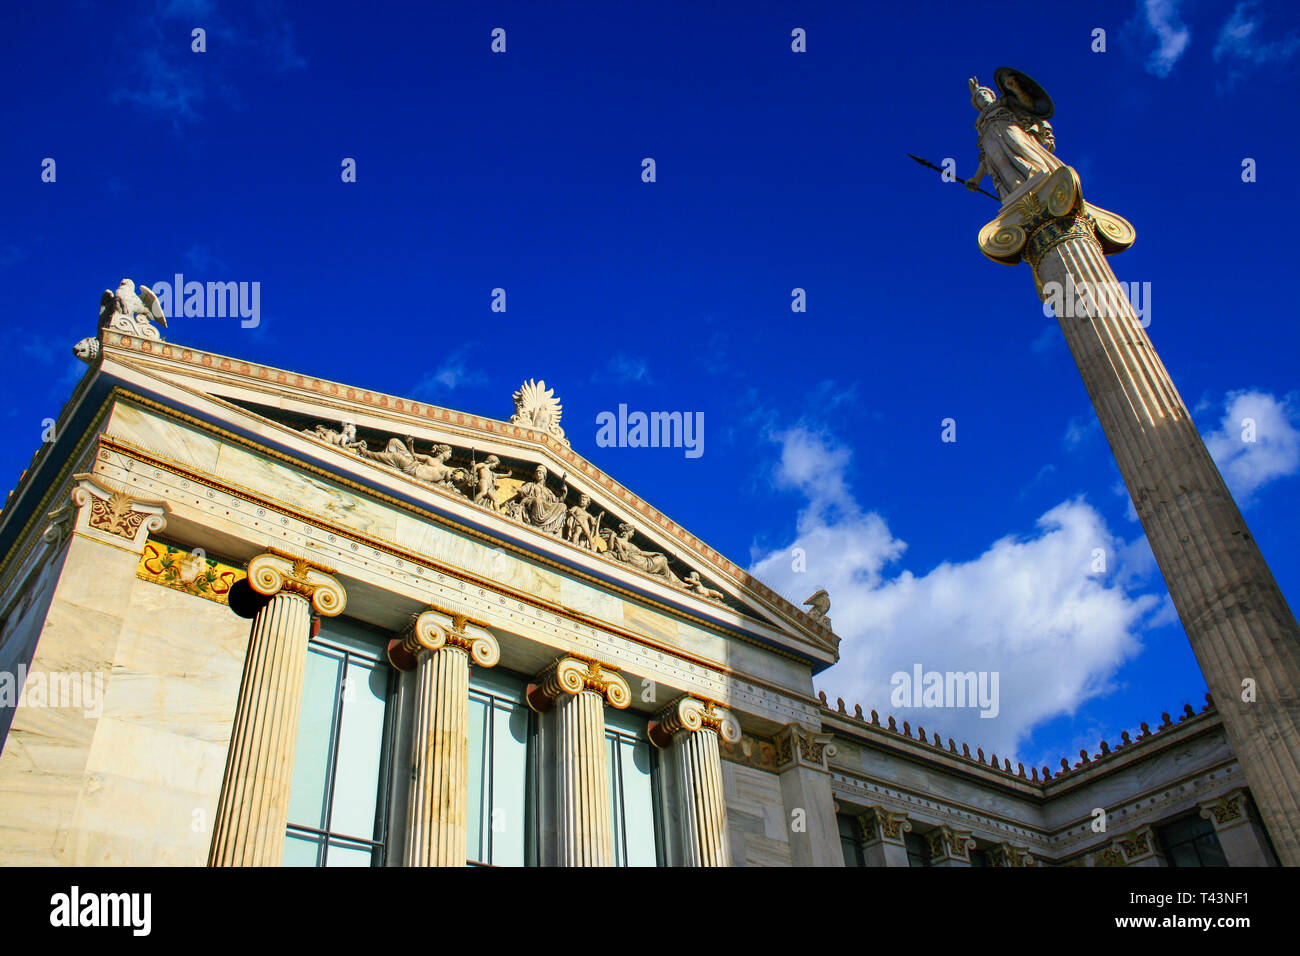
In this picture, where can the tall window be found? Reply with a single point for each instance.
(1191, 841)
(851, 840)
(918, 849)
(633, 791)
(339, 796)
(501, 788)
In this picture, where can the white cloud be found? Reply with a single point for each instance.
(1161, 20)
(454, 372)
(1030, 607)
(626, 368)
(1239, 39)
(1274, 453)
(1080, 429)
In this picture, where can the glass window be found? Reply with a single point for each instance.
(851, 840)
(338, 799)
(979, 857)
(918, 850)
(633, 790)
(501, 732)
(1191, 841)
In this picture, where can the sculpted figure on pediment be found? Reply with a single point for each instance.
(537, 505)
(697, 586)
(345, 437)
(485, 482)
(619, 547)
(581, 528)
(432, 469)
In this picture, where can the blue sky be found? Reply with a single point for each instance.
(775, 170)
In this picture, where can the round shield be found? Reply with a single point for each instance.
(1040, 103)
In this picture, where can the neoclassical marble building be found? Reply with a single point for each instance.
(312, 624)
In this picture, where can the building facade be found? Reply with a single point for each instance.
(253, 617)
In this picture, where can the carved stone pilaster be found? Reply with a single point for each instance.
(1240, 835)
(884, 826)
(577, 690)
(253, 808)
(1136, 848)
(801, 757)
(1227, 811)
(1007, 854)
(110, 516)
(688, 731)
(797, 747)
(949, 846)
(440, 648)
(884, 837)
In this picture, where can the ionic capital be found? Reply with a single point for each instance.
(573, 675)
(1046, 211)
(435, 630)
(275, 572)
(686, 714)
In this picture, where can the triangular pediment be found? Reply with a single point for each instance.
(442, 456)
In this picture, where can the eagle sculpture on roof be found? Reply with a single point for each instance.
(127, 311)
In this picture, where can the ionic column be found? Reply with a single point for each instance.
(440, 647)
(687, 730)
(578, 691)
(253, 809)
(1236, 618)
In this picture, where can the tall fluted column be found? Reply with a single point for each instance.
(578, 690)
(439, 646)
(687, 730)
(253, 809)
(1235, 616)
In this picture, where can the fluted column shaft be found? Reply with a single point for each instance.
(688, 730)
(578, 690)
(254, 810)
(438, 806)
(586, 835)
(1235, 616)
(436, 830)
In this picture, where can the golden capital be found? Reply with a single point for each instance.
(688, 715)
(114, 516)
(277, 571)
(1226, 811)
(435, 630)
(1047, 211)
(574, 675)
(887, 825)
(947, 842)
